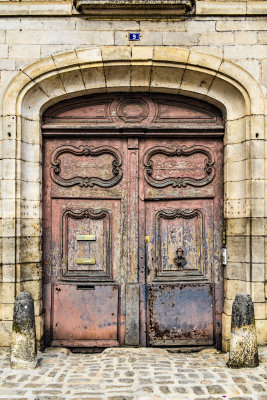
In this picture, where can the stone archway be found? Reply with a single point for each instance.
(110, 69)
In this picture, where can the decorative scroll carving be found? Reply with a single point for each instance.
(103, 270)
(178, 213)
(86, 213)
(178, 151)
(86, 151)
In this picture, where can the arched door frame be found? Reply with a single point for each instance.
(132, 69)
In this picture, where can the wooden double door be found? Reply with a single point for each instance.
(131, 233)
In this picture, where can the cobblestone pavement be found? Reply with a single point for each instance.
(130, 374)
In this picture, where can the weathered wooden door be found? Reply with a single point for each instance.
(182, 191)
(132, 221)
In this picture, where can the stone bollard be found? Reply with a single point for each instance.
(23, 342)
(243, 340)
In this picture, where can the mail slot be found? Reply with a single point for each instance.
(86, 237)
(82, 261)
(85, 287)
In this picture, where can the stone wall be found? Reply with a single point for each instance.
(56, 28)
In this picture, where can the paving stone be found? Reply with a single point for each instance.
(244, 389)
(259, 388)
(132, 374)
(164, 389)
(198, 390)
(215, 389)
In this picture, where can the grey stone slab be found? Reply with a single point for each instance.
(132, 315)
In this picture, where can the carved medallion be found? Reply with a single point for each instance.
(132, 110)
(87, 151)
(179, 181)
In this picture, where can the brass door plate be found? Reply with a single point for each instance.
(85, 237)
(84, 261)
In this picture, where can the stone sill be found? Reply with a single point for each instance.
(152, 10)
(135, 8)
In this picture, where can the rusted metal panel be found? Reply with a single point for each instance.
(85, 312)
(181, 312)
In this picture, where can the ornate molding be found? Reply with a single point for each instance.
(132, 110)
(86, 213)
(113, 111)
(135, 8)
(90, 213)
(182, 213)
(179, 151)
(178, 213)
(86, 151)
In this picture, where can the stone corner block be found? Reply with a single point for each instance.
(23, 339)
(243, 340)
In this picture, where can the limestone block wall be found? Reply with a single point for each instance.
(223, 43)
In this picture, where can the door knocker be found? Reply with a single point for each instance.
(179, 260)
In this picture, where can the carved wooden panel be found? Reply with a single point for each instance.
(138, 109)
(86, 243)
(100, 166)
(179, 166)
(90, 112)
(179, 240)
(171, 111)
(180, 246)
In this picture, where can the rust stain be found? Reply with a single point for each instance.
(182, 311)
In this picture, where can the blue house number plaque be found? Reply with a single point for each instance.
(134, 36)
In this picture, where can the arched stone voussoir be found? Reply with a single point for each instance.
(218, 80)
(235, 103)
(10, 98)
(196, 80)
(62, 60)
(249, 84)
(116, 53)
(89, 56)
(118, 77)
(39, 68)
(167, 78)
(207, 61)
(171, 55)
